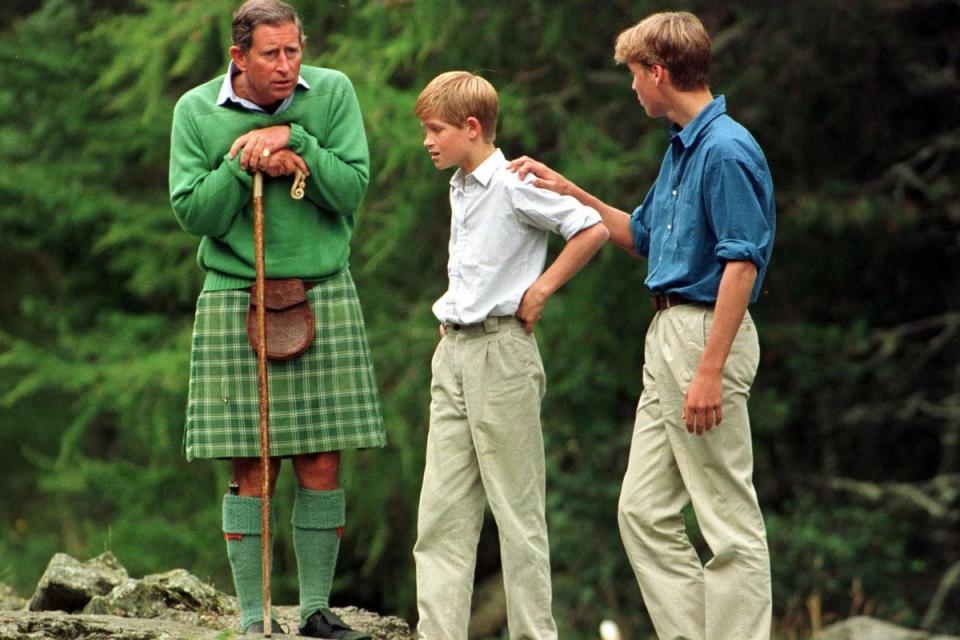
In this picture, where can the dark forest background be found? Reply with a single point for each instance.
(856, 409)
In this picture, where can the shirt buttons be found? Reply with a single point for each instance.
(674, 192)
(669, 227)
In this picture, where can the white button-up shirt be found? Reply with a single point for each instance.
(498, 239)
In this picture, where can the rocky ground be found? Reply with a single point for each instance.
(98, 599)
(865, 628)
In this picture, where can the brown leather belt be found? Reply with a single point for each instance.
(661, 301)
(491, 325)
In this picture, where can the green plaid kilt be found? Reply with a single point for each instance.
(324, 400)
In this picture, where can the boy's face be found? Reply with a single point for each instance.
(646, 87)
(448, 144)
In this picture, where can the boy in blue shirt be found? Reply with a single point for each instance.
(706, 228)
(485, 444)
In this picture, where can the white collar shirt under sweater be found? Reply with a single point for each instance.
(498, 239)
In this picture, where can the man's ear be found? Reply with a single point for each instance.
(238, 57)
(474, 128)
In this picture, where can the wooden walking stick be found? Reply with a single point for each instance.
(264, 400)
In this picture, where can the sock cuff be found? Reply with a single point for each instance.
(241, 514)
(319, 509)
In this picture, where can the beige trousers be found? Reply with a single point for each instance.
(729, 598)
(484, 446)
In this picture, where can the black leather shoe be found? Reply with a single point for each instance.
(325, 624)
(257, 627)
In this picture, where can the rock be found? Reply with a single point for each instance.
(10, 601)
(37, 625)
(176, 594)
(489, 614)
(379, 627)
(167, 606)
(864, 628)
(42, 625)
(68, 584)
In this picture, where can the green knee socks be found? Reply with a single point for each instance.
(241, 528)
(318, 518)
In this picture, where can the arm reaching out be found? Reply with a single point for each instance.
(616, 221)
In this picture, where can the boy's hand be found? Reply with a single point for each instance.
(531, 306)
(547, 178)
(703, 404)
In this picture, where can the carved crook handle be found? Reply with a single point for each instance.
(299, 185)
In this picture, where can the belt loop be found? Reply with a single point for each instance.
(491, 324)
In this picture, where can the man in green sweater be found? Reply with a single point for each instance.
(271, 114)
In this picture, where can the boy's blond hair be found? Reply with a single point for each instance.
(674, 40)
(454, 96)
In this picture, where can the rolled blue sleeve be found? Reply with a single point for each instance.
(739, 196)
(641, 236)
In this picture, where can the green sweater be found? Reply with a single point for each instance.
(211, 195)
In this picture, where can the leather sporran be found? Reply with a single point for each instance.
(289, 319)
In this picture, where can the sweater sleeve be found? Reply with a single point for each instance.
(336, 153)
(205, 198)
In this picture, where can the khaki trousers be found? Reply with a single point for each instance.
(729, 598)
(485, 446)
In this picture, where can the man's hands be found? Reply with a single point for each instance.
(283, 163)
(266, 150)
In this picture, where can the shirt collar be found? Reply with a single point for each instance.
(227, 94)
(483, 173)
(688, 134)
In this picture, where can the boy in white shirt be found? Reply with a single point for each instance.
(485, 443)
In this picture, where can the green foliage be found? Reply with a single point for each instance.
(847, 559)
(854, 103)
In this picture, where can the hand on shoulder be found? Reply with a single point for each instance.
(546, 178)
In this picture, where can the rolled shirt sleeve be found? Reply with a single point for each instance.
(550, 211)
(640, 227)
(738, 199)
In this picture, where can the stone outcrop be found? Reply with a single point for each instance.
(98, 599)
(68, 584)
(864, 628)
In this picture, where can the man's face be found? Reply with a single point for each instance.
(272, 65)
(448, 144)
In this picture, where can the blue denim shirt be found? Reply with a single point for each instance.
(712, 203)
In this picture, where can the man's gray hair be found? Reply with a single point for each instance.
(256, 12)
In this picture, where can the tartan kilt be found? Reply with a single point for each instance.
(324, 400)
